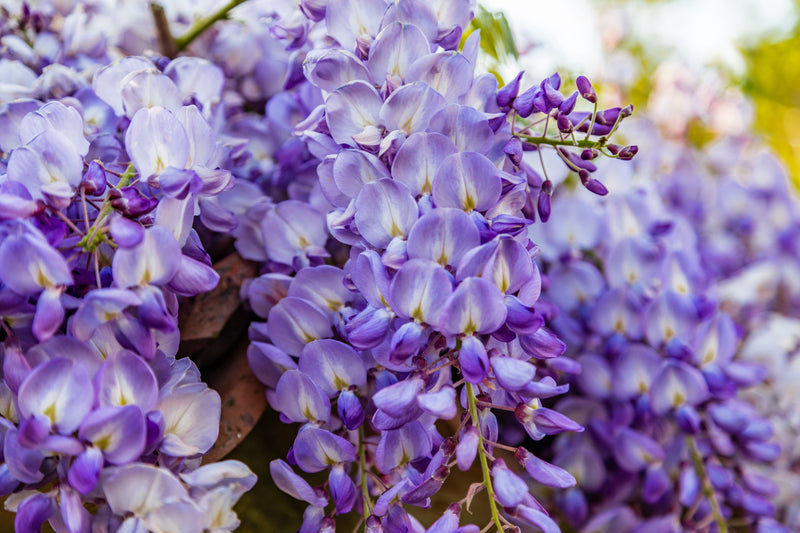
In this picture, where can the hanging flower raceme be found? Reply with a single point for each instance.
(432, 313)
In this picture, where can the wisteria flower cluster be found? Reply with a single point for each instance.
(445, 281)
(421, 182)
(105, 165)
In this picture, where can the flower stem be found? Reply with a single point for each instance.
(166, 42)
(580, 143)
(362, 460)
(197, 29)
(93, 235)
(487, 478)
(708, 490)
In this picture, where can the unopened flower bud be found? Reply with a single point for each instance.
(586, 89)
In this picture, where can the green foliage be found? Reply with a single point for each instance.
(497, 41)
(772, 68)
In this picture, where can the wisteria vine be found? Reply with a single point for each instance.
(444, 280)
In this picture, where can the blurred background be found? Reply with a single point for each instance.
(697, 67)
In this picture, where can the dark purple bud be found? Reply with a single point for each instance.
(524, 102)
(131, 202)
(596, 187)
(94, 180)
(614, 148)
(586, 89)
(543, 205)
(509, 92)
(589, 154)
(564, 124)
(627, 153)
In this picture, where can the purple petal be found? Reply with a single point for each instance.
(385, 209)
(33, 512)
(333, 365)
(60, 390)
(316, 449)
(193, 277)
(156, 140)
(419, 158)
(329, 69)
(544, 472)
(85, 470)
(467, 127)
(419, 290)
(473, 360)
(467, 181)
(450, 73)
(119, 432)
(300, 399)
(397, 399)
(512, 374)
(294, 485)
(155, 260)
(295, 322)
(141, 488)
(403, 445)
(677, 384)
(191, 418)
(509, 488)
(23, 463)
(476, 306)
(441, 403)
(410, 108)
(444, 235)
(352, 109)
(343, 490)
(125, 378)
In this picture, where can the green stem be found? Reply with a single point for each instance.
(93, 237)
(708, 490)
(362, 460)
(182, 42)
(584, 143)
(487, 478)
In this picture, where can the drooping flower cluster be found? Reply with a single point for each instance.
(672, 441)
(420, 181)
(103, 168)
